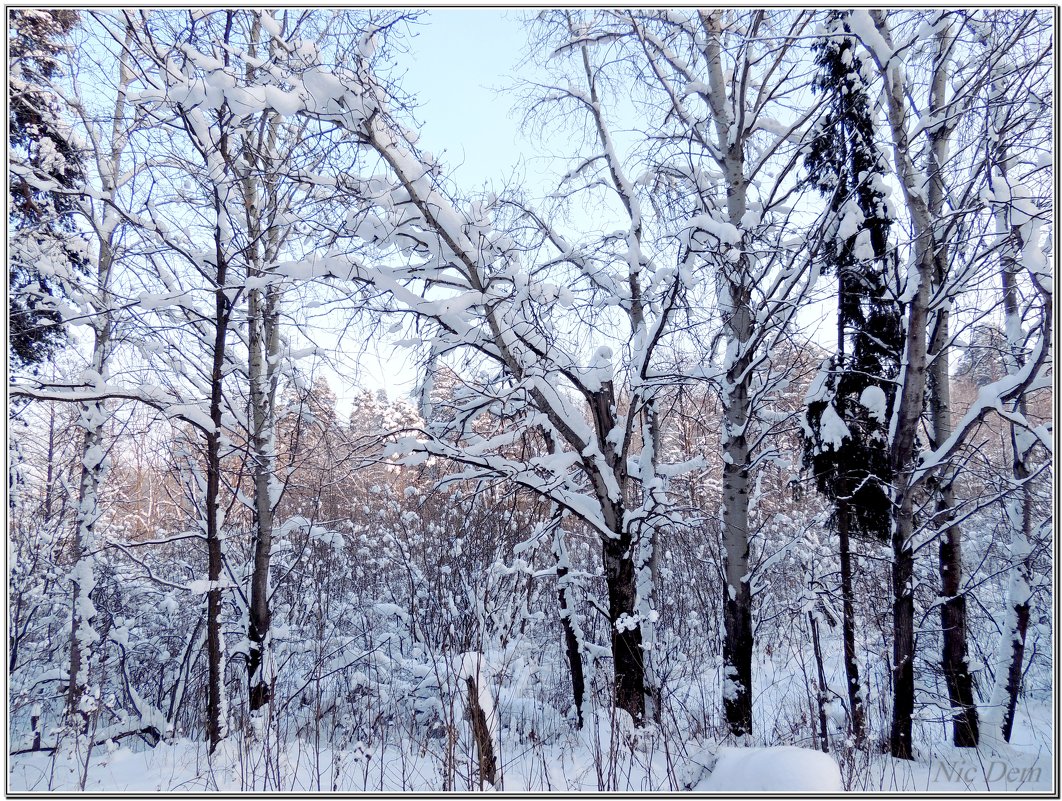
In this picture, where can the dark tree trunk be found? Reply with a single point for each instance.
(737, 594)
(571, 644)
(488, 764)
(628, 658)
(1021, 611)
(953, 623)
(215, 726)
(824, 691)
(900, 736)
(737, 658)
(848, 624)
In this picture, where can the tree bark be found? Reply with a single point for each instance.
(737, 594)
(954, 661)
(908, 415)
(216, 726)
(1019, 516)
(263, 359)
(571, 636)
(1006, 686)
(848, 624)
(900, 732)
(629, 686)
(824, 691)
(488, 764)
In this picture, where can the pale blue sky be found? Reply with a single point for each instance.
(459, 63)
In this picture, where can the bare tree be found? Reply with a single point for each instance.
(939, 190)
(731, 134)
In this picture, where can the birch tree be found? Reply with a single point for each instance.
(728, 84)
(92, 300)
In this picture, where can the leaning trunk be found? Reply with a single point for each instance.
(568, 623)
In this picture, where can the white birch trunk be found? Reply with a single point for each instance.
(81, 699)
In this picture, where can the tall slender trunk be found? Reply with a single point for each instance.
(848, 625)
(733, 283)
(824, 689)
(93, 415)
(217, 724)
(906, 423)
(259, 617)
(1006, 686)
(737, 594)
(263, 358)
(954, 662)
(910, 405)
(900, 731)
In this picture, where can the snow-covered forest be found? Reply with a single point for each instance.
(727, 462)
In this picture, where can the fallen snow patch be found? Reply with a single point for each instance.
(782, 769)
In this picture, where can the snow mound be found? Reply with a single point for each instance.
(782, 769)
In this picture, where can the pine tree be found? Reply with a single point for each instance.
(846, 420)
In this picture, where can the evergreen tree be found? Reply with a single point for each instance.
(848, 409)
(41, 238)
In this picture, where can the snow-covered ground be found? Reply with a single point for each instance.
(601, 757)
